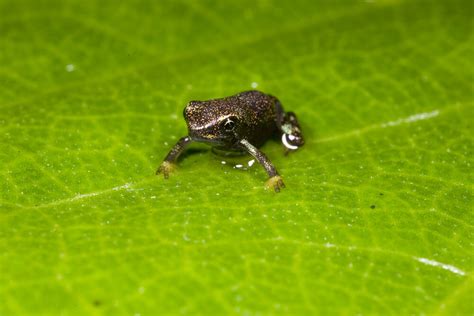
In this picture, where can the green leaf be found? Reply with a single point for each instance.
(377, 214)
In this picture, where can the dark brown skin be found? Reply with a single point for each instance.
(242, 122)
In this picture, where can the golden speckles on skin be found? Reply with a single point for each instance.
(275, 183)
(166, 168)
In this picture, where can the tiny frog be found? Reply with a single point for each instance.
(239, 123)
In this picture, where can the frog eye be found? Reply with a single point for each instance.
(229, 124)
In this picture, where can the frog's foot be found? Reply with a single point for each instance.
(166, 168)
(276, 183)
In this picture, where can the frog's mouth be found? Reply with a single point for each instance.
(212, 133)
(205, 138)
(208, 138)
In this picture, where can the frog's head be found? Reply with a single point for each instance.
(211, 123)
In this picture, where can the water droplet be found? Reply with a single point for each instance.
(70, 68)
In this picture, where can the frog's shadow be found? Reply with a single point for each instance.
(191, 152)
(217, 153)
(212, 151)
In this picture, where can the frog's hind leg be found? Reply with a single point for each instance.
(274, 181)
(287, 124)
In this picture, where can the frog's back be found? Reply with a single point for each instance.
(258, 115)
(258, 102)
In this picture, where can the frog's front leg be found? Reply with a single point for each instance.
(168, 163)
(275, 181)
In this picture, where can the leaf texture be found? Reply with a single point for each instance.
(377, 214)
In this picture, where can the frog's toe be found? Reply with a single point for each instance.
(166, 168)
(275, 183)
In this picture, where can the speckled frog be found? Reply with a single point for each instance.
(239, 123)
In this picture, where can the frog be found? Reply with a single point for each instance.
(240, 124)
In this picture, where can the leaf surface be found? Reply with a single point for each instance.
(377, 214)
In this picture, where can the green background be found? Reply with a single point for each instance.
(377, 214)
